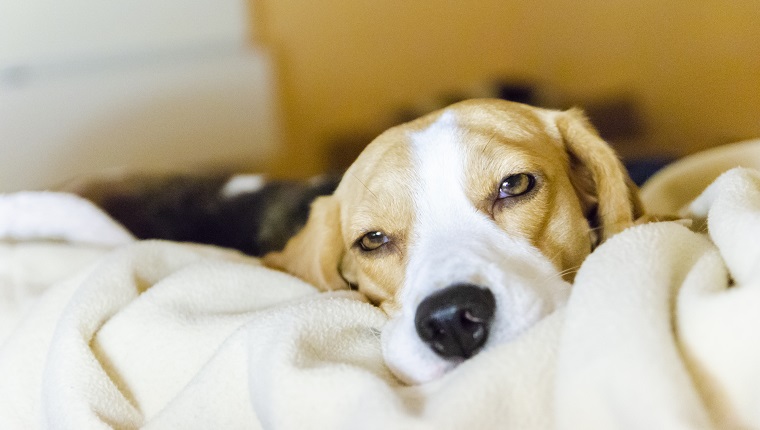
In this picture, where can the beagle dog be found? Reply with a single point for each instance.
(465, 226)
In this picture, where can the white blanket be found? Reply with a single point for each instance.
(661, 331)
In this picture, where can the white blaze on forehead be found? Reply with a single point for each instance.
(439, 162)
(445, 240)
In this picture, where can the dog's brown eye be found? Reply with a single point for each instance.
(516, 185)
(373, 240)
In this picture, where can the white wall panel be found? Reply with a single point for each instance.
(45, 31)
(144, 85)
(214, 110)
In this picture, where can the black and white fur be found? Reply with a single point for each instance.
(244, 212)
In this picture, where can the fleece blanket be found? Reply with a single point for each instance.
(661, 331)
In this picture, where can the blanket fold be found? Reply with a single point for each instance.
(35, 215)
(660, 332)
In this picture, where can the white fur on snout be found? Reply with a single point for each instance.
(451, 242)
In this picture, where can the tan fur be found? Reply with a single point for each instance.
(616, 194)
(314, 253)
(576, 171)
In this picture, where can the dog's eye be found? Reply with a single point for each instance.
(516, 185)
(373, 240)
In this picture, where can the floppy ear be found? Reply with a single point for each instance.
(315, 252)
(609, 197)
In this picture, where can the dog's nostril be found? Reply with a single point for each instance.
(474, 325)
(454, 321)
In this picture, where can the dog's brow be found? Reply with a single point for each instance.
(363, 184)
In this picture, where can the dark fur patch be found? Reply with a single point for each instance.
(193, 209)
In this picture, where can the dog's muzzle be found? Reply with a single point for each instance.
(455, 321)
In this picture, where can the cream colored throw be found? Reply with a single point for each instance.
(662, 330)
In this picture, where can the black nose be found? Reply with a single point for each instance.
(454, 321)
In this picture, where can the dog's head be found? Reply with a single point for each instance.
(465, 226)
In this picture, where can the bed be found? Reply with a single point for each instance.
(98, 330)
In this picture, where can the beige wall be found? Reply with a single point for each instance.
(694, 65)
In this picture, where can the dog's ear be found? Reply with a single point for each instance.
(315, 252)
(609, 197)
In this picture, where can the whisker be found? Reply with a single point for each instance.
(488, 143)
(598, 228)
(363, 184)
(559, 275)
(568, 271)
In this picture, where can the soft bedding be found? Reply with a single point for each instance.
(660, 332)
